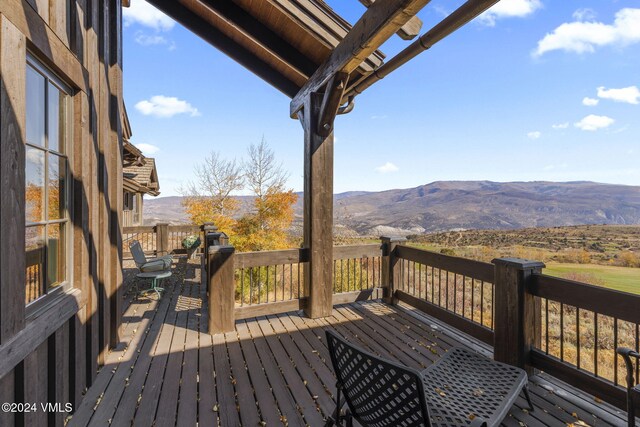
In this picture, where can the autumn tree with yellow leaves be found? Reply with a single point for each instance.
(210, 198)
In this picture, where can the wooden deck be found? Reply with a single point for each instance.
(273, 370)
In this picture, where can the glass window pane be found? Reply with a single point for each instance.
(56, 260)
(34, 239)
(57, 186)
(57, 117)
(35, 107)
(34, 185)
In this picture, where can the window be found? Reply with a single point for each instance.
(135, 207)
(46, 181)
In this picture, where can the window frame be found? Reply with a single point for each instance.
(50, 294)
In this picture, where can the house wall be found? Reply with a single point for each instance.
(52, 354)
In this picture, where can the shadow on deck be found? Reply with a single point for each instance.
(274, 370)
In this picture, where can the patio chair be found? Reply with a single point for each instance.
(632, 385)
(148, 265)
(461, 389)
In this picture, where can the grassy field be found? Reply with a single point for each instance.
(619, 278)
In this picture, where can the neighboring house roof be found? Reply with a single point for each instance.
(139, 173)
(144, 177)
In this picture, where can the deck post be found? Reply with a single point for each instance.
(318, 210)
(221, 289)
(162, 239)
(517, 323)
(390, 276)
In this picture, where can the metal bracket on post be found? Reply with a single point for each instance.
(331, 102)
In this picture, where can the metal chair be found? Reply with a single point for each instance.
(461, 389)
(148, 265)
(632, 387)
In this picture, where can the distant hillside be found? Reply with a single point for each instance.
(455, 205)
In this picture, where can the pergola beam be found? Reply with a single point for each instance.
(376, 25)
(199, 26)
(461, 16)
(260, 34)
(409, 30)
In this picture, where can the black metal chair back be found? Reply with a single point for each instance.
(379, 393)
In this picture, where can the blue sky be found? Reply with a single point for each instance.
(534, 90)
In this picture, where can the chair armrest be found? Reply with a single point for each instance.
(627, 352)
(478, 422)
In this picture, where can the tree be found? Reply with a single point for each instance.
(261, 171)
(209, 198)
(266, 227)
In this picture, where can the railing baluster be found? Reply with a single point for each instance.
(561, 331)
(595, 346)
(578, 337)
(615, 353)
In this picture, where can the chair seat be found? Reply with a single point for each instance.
(464, 385)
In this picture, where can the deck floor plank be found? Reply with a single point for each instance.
(284, 399)
(276, 370)
(246, 396)
(261, 389)
(188, 400)
(295, 383)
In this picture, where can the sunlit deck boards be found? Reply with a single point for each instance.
(169, 372)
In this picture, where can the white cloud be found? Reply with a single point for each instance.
(630, 95)
(509, 9)
(149, 40)
(561, 125)
(166, 106)
(143, 13)
(147, 149)
(534, 135)
(590, 102)
(387, 167)
(583, 37)
(584, 14)
(593, 122)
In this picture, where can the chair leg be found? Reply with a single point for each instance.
(526, 395)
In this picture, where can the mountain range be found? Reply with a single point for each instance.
(457, 205)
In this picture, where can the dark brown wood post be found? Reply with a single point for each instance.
(162, 239)
(318, 210)
(221, 289)
(517, 324)
(390, 268)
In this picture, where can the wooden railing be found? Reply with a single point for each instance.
(271, 282)
(532, 320)
(159, 239)
(459, 291)
(580, 328)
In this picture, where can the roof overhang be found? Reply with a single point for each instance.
(282, 41)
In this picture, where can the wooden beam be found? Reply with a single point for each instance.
(260, 34)
(378, 23)
(408, 30)
(216, 38)
(318, 211)
(13, 52)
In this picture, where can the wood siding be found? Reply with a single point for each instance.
(53, 354)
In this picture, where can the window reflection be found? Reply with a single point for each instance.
(35, 107)
(34, 180)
